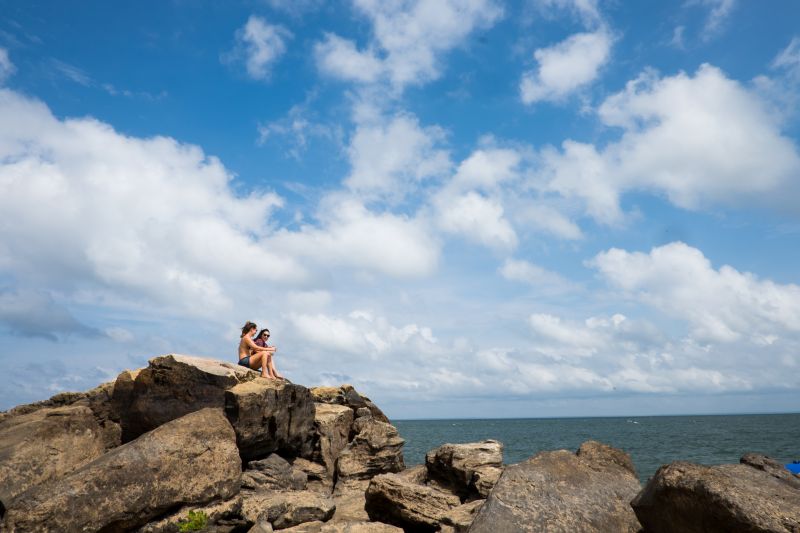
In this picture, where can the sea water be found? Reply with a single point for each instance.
(651, 441)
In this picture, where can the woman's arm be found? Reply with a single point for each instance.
(253, 346)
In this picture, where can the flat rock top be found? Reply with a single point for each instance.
(330, 410)
(209, 366)
(258, 385)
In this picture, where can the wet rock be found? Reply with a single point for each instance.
(172, 386)
(394, 500)
(562, 491)
(191, 460)
(771, 467)
(692, 498)
(275, 473)
(45, 444)
(271, 416)
(470, 470)
(285, 509)
(376, 449)
(333, 424)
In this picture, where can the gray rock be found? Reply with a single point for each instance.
(286, 509)
(275, 473)
(692, 498)
(191, 460)
(173, 386)
(44, 445)
(318, 478)
(559, 491)
(271, 416)
(470, 470)
(363, 411)
(395, 500)
(771, 467)
(333, 424)
(376, 449)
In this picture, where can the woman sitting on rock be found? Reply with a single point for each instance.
(251, 355)
(261, 340)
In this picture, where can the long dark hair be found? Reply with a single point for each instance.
(261, 333)
(247, 327)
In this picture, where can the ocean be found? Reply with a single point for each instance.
(651, 441)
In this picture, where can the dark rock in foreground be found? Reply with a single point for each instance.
(690, 498)
(560, 491)
(190, 460)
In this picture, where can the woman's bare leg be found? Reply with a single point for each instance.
(272, 368)
(259, 360)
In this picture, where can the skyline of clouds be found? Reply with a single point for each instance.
(426, 264)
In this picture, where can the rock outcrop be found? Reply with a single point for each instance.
(692, 498)
(393, 499)
(334, 424)
(563, 491)
(284, 509)
(193, 459)
(376, 449)
(172, 386)
(346, 395)
(470, 470)
(271, 416)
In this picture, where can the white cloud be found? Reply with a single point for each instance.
(295, 7)
(719, 12)
(566, 67)
(487, 168)
(700, 140)
(722, 305)
(531, 274)
(147, 218)
(407, 39)
(477, 218)
(789, 58)
(392, 156)
(547, 219)
(260, 45)
(7, 68)
(586, 10)
(34, 313)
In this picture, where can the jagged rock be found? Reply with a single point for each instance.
(45, 444)
(771, 467)
(461, 517)
(349, 496)
(262, 527)
(271, 416)
(470, 470)
(215, 511)
(395, 500)
(191, 460)
(415, 474)
(172, 386)
(344, 527)
(562, 491)
(605, 455)
(333, 424)
(285, 509)
(275, 473)
(692, 498)
(318, 478)
(376, 449)
(347, 395)
(363, 411)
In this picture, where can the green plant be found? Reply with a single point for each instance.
(196, 521)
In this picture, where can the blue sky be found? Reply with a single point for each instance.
(465, 208)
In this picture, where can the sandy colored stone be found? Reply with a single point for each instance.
(333, 424)
(691, 498)
(215, 511)
(395, 500)
(350, 498)
(461, 517)
(560, 491)
(191, 460)
(271, 416)
(470, 469)
(344, 527)
(376, 449)
(45, 445)
(284, 509)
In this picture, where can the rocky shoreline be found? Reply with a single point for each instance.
(188, 438)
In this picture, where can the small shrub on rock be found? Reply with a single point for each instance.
(196, 521)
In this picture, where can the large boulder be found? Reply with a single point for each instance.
(397, 500)
(562, 491)
(376, 449)
(44, 445)
(470, 470)
(333, 424)
(172, 386)
(348, 396)
(191, 460)
(275, 473)
(271, 416)
(692, 498)
(771, 467)
(284, 509)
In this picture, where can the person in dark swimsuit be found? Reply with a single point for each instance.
(252, 355)
(261, 340)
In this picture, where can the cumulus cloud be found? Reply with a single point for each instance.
(700, 140)
(259, 45)
(7, 68)
(532, 274)
(392, 156)
(566, 67)
(408, 38)
(30, 313)
(722, 305)
(487, 168)
(476, 218)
